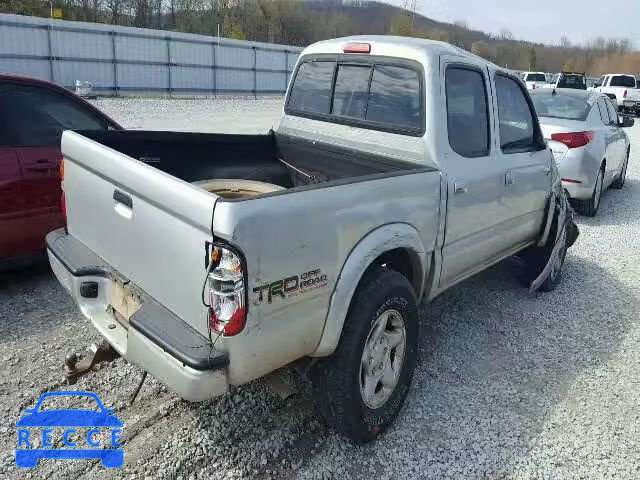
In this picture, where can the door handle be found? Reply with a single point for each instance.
(123, 198)
(509, 179)
(460, 186)
(39, 168)
(546, 169)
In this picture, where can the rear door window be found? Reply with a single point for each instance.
(311, 91)
(623, 81)
(467, 112)
(604, 115)
(613, 115)
(39, 115)
(372, 95)
(516, 120)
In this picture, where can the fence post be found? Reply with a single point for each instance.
(255, 72)
(50, 46)
(115, 61)
(286, 70)
(214, 70)
(168, 40)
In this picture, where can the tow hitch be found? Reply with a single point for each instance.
(75, 367)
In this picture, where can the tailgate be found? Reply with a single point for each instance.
(150, 226)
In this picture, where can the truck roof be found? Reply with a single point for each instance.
(418, 49)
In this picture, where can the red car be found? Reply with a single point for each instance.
(33, 115)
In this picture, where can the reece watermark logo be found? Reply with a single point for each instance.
(70, 433)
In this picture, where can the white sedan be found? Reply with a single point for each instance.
(591, 147)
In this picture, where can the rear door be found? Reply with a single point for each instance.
(614, 162)
(472, 237)
(608, 132)
(524, 161)
(13, 231)
(39, 116)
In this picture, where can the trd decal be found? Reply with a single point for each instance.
(292, 286)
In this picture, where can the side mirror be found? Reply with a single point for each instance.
(626, 122)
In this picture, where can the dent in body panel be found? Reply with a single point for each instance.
(285, 235)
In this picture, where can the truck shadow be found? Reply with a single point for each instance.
(494, 367)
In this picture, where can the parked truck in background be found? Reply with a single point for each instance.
(534, 80)
(568, 80)
(622, 89)
(400, 167)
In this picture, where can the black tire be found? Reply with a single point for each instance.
(536, 259)
(589, 207)
(337, 379)
(619, 182)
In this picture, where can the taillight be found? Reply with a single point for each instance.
(226, 289)
(357, 48)
(63, 201)
(625, 94)
(573, 139)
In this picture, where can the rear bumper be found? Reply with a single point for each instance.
(154, 338)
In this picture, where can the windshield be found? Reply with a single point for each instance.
(536, 77)
(560, 106)
(623, 81)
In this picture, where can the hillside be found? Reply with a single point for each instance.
(296, 22)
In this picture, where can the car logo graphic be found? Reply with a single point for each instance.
(69, 419)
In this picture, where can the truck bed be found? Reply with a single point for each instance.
(277, 159)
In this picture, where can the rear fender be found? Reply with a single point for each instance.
(377, 242)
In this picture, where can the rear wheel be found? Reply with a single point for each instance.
(361, 388)
(619, 182)
(590, 206)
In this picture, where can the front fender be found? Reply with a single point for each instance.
(374, 244)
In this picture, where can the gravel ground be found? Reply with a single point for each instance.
(508, 385)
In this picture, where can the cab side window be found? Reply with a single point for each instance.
(467, 112)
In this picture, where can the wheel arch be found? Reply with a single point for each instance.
(397, 246)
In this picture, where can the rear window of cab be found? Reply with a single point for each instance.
(368, 94)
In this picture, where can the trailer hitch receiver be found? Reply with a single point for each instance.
(75, 367)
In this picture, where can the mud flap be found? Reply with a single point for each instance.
(567, 233)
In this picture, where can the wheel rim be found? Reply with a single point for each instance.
(382, 358)
(598, 190)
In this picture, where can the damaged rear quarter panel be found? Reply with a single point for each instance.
(306, 236)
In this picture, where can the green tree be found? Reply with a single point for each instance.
(236, 33)
(400, 25)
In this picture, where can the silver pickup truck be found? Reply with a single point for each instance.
(400, 167)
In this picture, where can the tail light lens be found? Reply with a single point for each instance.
(226, 285)
(574, 139)
(626, 92)
(63, 201)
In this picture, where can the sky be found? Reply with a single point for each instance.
(541, 21)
